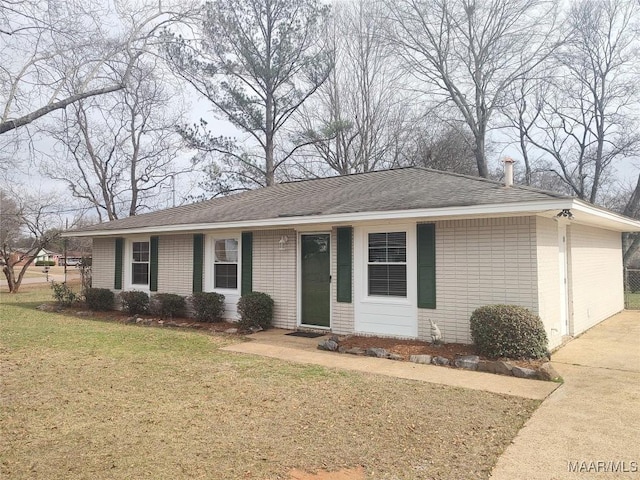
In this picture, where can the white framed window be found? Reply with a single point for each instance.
(387, 264)
(225, 263)
(140, 263)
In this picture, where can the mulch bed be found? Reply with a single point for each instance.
(151, 320)
(406, 348)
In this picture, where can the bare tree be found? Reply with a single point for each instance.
(123, 148)
(361, 117)
(442, 146)
(470, 52)
(25, 217)
(586, 120)
(257, 62)
(53, 54)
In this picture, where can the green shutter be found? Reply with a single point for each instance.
(247, 263)
(153, 264)
(426, 265)
(198, 261)
(117, 282)
(344, 259)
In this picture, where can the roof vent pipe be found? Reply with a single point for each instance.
(508, 171)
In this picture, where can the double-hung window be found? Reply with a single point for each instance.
(140, 263)
(387, 264)
(225, 265)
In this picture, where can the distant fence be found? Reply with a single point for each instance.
(632, 288)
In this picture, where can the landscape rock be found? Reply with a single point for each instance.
(354, 351)
(328, 345)
(130, 320)
(522, 372)
(500, 367)
(468, 362)
(395, 356)
(84, 313)
(425, 359)
(47, 307)
(377, 352)
(256, 329)
(548, 373)
(334, 338)
(231, 331)
(440, 361)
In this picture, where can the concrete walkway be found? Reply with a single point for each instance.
(274, 343)
(594, 417)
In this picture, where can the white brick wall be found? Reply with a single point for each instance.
(275, 273)
(480, 262)
(596, 275)
(342, 321)
(175, 264)
(103, 268)
(547, 251)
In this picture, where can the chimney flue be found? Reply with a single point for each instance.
(508, 171)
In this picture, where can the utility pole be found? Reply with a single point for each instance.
(66, 227)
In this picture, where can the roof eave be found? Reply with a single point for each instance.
(457, 212)
(599, 217)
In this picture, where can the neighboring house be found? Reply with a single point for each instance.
(379, 253)
(45, 255)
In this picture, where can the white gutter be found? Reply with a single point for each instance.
(498, 209)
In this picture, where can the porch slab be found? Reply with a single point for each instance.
(275, 343)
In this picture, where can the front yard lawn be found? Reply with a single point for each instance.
(89, 399)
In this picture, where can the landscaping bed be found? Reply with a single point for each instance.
(452, 355)
(146, 320)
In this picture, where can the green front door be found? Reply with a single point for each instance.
(315, 282)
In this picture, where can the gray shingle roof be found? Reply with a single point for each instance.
(388, 190)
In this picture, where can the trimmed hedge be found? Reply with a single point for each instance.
(208, 306)
(169, 305)
(99, 299)
(135, 301)
(508, 331)
(45, 263)
(256, 311)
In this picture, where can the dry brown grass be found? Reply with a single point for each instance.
(86, 399)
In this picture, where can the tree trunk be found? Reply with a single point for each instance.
(10, 276)
(481, 161)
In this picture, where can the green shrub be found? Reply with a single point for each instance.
(99, 299)
(508, 331)
(256, 310)
(168, 305)
(63, 294)
(208, 306)
(45, 263)
(135, 301)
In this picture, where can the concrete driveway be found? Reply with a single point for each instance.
(590, 427)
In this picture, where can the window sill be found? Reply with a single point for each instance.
(387, 300)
